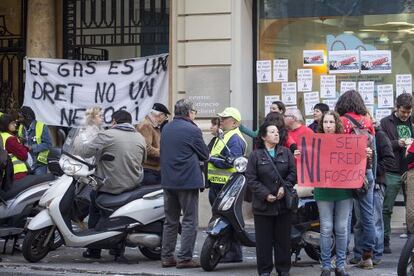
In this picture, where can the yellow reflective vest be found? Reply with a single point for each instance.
(18, 165)
(218, 175)
(42, 156)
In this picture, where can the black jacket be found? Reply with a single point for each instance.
(385, 155)
(262, 179)
(388, 125)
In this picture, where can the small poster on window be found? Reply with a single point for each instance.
(343, 62)
(385, 95)
(310, 100)
(366, 89)
(268, 102)
(382, 113)
(403, 84)
(289, 93)
(375, 62)
(331, 103)
(280, 70)
(328, 86)
(305, 80)
(313, 58)
(347, 85)
(264, 71)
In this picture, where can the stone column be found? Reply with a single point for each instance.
(41, 29)
(41, 35)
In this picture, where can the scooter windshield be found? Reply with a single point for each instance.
(75, 139)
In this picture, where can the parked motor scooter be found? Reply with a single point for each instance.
(20, 202)
(134, 218)
(227, 223)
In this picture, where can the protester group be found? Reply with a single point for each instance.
(157, 151)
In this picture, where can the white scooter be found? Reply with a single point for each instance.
(133, 219)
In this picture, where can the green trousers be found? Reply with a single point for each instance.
(394, 184)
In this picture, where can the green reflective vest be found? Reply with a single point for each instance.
(42, 156)
(217, 175)
(18, 165)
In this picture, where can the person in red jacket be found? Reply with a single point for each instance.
(17, 151)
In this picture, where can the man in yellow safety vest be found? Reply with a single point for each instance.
(232, 144)
(35, 136)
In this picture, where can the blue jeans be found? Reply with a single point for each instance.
(40, 169)
(364, 228)
(334, 214)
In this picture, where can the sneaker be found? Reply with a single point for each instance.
(354, 260)
(326, 272)
(366, 264)
(341, 272)
(376, 261)
(403, 236)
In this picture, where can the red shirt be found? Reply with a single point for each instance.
(363, 120)
(299, 132)
(289, 141)
(14, 147)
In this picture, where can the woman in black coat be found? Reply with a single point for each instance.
(271, 218)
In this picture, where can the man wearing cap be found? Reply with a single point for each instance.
(149, 127)
(231, 145)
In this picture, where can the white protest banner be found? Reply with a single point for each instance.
(375, 62)
(366, 89)
(331, 103)
(313, 57)
(385, 95)
(310, 100)
(343, 61)
(304, 79)
(289, 93)
(403, 84)
(264, 71)
(280, 70)
(268, 102)
(347, 85)
(381, 113)
(59, 91)
(328, 86)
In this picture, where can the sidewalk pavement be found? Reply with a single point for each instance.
(69, 261)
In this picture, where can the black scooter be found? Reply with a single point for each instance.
(227, 223)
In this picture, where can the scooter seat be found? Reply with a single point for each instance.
(25, 183)
(110, 201)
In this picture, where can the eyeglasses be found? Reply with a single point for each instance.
(195, 111)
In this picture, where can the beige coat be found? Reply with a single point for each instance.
(152, 137)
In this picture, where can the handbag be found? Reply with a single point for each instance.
(291, 196)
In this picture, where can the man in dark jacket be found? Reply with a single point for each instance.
(384, 162)
(182, 149)
(398, 127)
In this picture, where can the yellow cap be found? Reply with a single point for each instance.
(231, 112)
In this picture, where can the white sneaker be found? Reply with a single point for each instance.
(403, 236)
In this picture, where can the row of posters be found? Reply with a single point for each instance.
(340, 62)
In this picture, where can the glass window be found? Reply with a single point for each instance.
(287, 27)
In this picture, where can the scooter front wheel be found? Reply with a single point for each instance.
(210, 253)
(33, 248)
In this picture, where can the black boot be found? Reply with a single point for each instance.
(341, 272)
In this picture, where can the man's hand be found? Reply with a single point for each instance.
(270, 198)
(369, 153)
(296, 153)
(401, 143)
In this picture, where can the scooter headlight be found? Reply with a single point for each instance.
(240, 164)
(69, 167)
(227, 204)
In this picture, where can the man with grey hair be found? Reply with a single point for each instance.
(149, 127)
(295, 124)
(182, 150)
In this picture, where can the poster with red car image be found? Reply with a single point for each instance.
(343, 62)
(376, 62)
